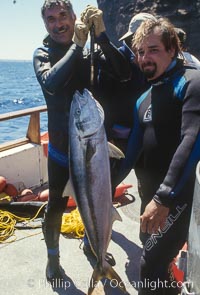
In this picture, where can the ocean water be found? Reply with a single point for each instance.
(19, 90)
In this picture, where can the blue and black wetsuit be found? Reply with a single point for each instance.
(61, 70)
(166, 132)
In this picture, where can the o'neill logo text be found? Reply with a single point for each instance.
(148, 115)
(170, 220)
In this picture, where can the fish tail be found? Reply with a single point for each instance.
(105, 272)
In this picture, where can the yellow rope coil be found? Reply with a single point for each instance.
(7, 225)
(72, 224)
(8, 222)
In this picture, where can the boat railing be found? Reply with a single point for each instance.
(33, 131)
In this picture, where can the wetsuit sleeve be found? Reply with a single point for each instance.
(112, 61)
(53, 77)
(134, 147)
(127, 52)
(187, 155)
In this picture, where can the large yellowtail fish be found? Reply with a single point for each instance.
(90, 179)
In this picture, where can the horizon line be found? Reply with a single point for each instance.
(11, 59)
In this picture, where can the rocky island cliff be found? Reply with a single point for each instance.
(182, 13)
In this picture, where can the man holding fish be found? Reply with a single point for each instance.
(62, 67)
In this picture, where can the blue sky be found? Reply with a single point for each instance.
(22, 28)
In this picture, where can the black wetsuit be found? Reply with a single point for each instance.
(118, 98)
(167, 132)
(60, 71)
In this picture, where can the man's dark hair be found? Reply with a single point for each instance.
(50, 3)
(167, 32)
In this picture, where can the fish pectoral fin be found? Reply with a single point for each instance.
(106, 272)
(115, 215)
(68, 190)
(115, 152)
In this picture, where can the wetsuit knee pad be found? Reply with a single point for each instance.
(57, 204)
(153, 272)
(149, 280)
(145, 269)
(53, 214)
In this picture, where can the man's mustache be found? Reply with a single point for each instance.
(61, 29)
(147, 64)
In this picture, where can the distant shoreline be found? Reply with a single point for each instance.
(15, 60)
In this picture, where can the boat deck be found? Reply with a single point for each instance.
(23, 262)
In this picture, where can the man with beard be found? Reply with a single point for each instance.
(62, 67)
(118, 115)
(166, 131)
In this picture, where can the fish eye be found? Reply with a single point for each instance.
(77, 112)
